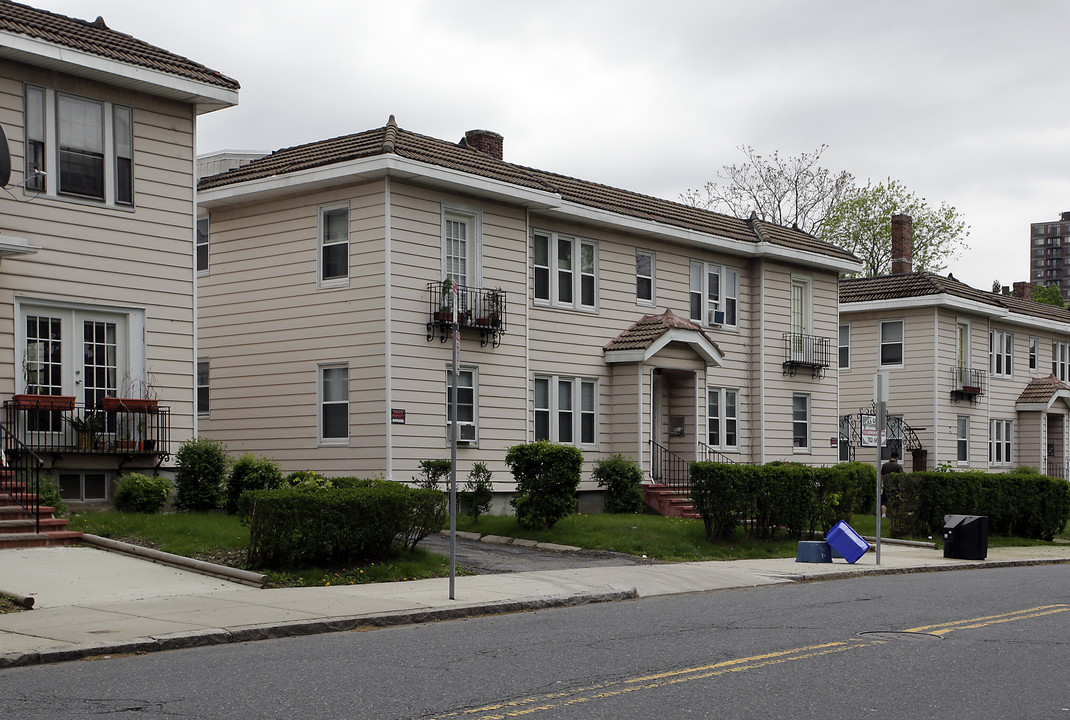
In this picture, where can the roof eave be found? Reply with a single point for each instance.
(696, 340)
(1059, 394)
(368, 168)
(943, 300)
(204, 96)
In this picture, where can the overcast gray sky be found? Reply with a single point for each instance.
(965, 102)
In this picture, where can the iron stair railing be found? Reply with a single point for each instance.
(669, 469)
(711, 455)
(23, 468)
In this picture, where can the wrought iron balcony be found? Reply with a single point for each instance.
(967, 383)
(477, 308)
(806, 351)
(56, 425)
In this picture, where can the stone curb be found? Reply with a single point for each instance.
(218, 636)
(869, 572)
(505, 540)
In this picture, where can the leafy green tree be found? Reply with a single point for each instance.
(861, 222)
(1049, 295)
(793, 191)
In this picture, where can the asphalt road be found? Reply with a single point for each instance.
(483, 557)
(965, 644)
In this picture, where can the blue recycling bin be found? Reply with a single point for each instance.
(846, 542)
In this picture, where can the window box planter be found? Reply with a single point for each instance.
(133, 405)
(971, 389)
(43, 402)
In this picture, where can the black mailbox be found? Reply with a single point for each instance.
(966, 537)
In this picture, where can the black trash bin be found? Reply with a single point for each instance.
(966, 537)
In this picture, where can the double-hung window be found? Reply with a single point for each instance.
(1001, 345)
(845, 347)
(722, 424)
(334, 404)
(202, 386)
(461, 245)
(1034, 343)
(891, 342)
(644, 277)
(1060, 360)
(202, 244)
(714, 294)
(467, 410)
(800, 422)
(334, 245)
(565, 271)
(999, 442)
(566, 410)
(88, 148)
(963, 439)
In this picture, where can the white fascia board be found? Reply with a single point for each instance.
(702, 347)
(952, 302)
(379, 166)
(11, 246)
(154, 82)
(696, 238)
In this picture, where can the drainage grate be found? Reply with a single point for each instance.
(899, 636)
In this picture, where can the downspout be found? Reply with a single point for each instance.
(936, 386)
(988, 396)
(761, 358)
(196, 290)
(529, 383)
(388, 335)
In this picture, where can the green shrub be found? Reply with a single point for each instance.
(250, 472)
(48, 491)
(137, 493)
(623, 480)
(718, 493)
(547, 480)
(291, 527)
(478, 491)
(200, 474)
(307, 480)
(433, 472)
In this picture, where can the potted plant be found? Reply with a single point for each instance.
(492, 308)
(445, 310)
(86, 428)
(31, 401)
(137, 397)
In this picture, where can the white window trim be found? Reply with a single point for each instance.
(51, 143)
(474, 218)
(577, 409)
(840, 345)
(475, 405)
(653, 299)
(1060, 360)
(552, 240)
(1034, 353)
(960, 438)
(320, 402)
(722, 271)
(1001, 346)
(723, 418)
(809, 425)
(902, 343)
(336, 282)
(966, 360)
(1007, 428)
(806, 283)
(202, 272)
(207, 386)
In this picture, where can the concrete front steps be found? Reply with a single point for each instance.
(18, 527)
(668, 502)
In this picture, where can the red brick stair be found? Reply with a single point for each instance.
(18, 526)
(668, 502)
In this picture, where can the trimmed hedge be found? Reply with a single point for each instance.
(622, 478)
(1021, 503)
(250, 472)
(139, 493)
(201, 468)
(293, 527)
(798, 498)
(547, 482)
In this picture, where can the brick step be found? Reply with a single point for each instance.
(13, 511)
(27, 525)
(668, 502)
(45, 539)
(14, 498)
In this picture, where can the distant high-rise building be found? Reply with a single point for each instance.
(1049, 254)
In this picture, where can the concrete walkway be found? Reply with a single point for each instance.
(89, 602)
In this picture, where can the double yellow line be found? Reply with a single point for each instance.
(576, 696)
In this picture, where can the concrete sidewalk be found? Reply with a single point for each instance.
(91, 602)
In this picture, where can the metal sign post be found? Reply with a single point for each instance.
(880, 397)
(453, 440)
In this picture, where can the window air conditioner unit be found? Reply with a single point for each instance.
(718, 317)
(466, 433)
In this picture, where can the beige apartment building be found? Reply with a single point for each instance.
(97, 227)
(978, 379)
(588, 315)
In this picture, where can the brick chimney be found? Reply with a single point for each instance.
(902, 244)
(1023, 290)
(485, 141)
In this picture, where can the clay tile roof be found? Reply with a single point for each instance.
(646, 332)
(920, 284)
(98, 39)
(1041, 390)
(391, 139)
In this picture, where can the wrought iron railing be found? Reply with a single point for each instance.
(479, 308)
(20, 477)
(711, 455)
(1056, 469)
(668, 468)
(806, 351)
(126, 431)
(967, 383)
